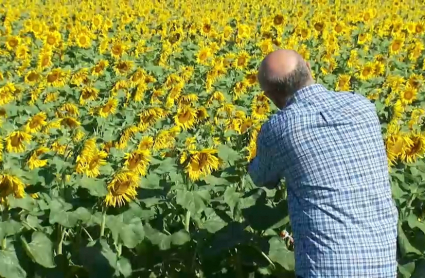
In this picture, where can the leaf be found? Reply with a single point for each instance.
(231, 197)
(166, 166)
(405, 246)
(96, 187)
(8, 228)
(132, 234)
(82, 214)
(9, 265)
(192, 201)
(26, 203)
(227, 154)
(40, 249)
(262, 217)
(180, 238)
(151, 181)
(211, 180)
(413, 222)
(65, 218)
(124, 267)
(280, 254)
(407, 269)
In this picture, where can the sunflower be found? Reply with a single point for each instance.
(396, 45)
(202, 163)
(56, 78)
(12, 42)
(68, 109)
(164, 140)
(241, 61)
(203, 56)
(81, 77)
(123, 67)
(408, 95)
(416, 149)
(185, 117)
(90, 159)
(188, 99)
(83, 40)
(201, 114)
(125, 136)
(122, 189)
(36, 122)
(70, 122)
(343, 83)
(396, 145)
(118, 49)
(44, 59)
(88, 93)
(35, 161)
(146, 143)
(7, 93)
(15, 141)
(149, 117)
(52, 39)
(32, 77)
(415, 80)
(9, 185)
(22, 52)
(366, 72)
(109, 108)
(100, 67)
(138, 161)
(260, 111)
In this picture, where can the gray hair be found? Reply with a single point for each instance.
(284, 86)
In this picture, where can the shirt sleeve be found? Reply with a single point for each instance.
(263, 169)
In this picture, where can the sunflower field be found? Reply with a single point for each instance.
(126, 128)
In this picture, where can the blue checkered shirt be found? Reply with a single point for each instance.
(328, 148)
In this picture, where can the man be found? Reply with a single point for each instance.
(329, 149)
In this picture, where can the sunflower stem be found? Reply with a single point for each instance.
(4, 218)
(102, 225)
(187, 221)
(61, 236)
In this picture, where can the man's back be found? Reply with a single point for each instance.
(328, 146)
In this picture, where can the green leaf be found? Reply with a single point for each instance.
(211, 180)
(231, 197)
(151, 181)
(96, 187)
(179, 238)
(132, 234)
(65, 218)
(280, 254)
(405, 246)
(124, 267)
(192, 201)
(407, 269)
(8, 228)
(82, 214)
(227, 154)
(40, 249)
(27, 203)
(166, 166)
(9, 265)
(413, 222)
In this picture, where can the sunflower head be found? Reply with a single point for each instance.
(122, 189)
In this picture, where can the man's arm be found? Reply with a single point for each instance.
(264, 169)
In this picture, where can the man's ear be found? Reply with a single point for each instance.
(308, 65)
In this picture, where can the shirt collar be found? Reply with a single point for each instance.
(306, 92)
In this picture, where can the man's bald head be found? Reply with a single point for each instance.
(282, 73)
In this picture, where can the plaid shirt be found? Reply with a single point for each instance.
(329, 149)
